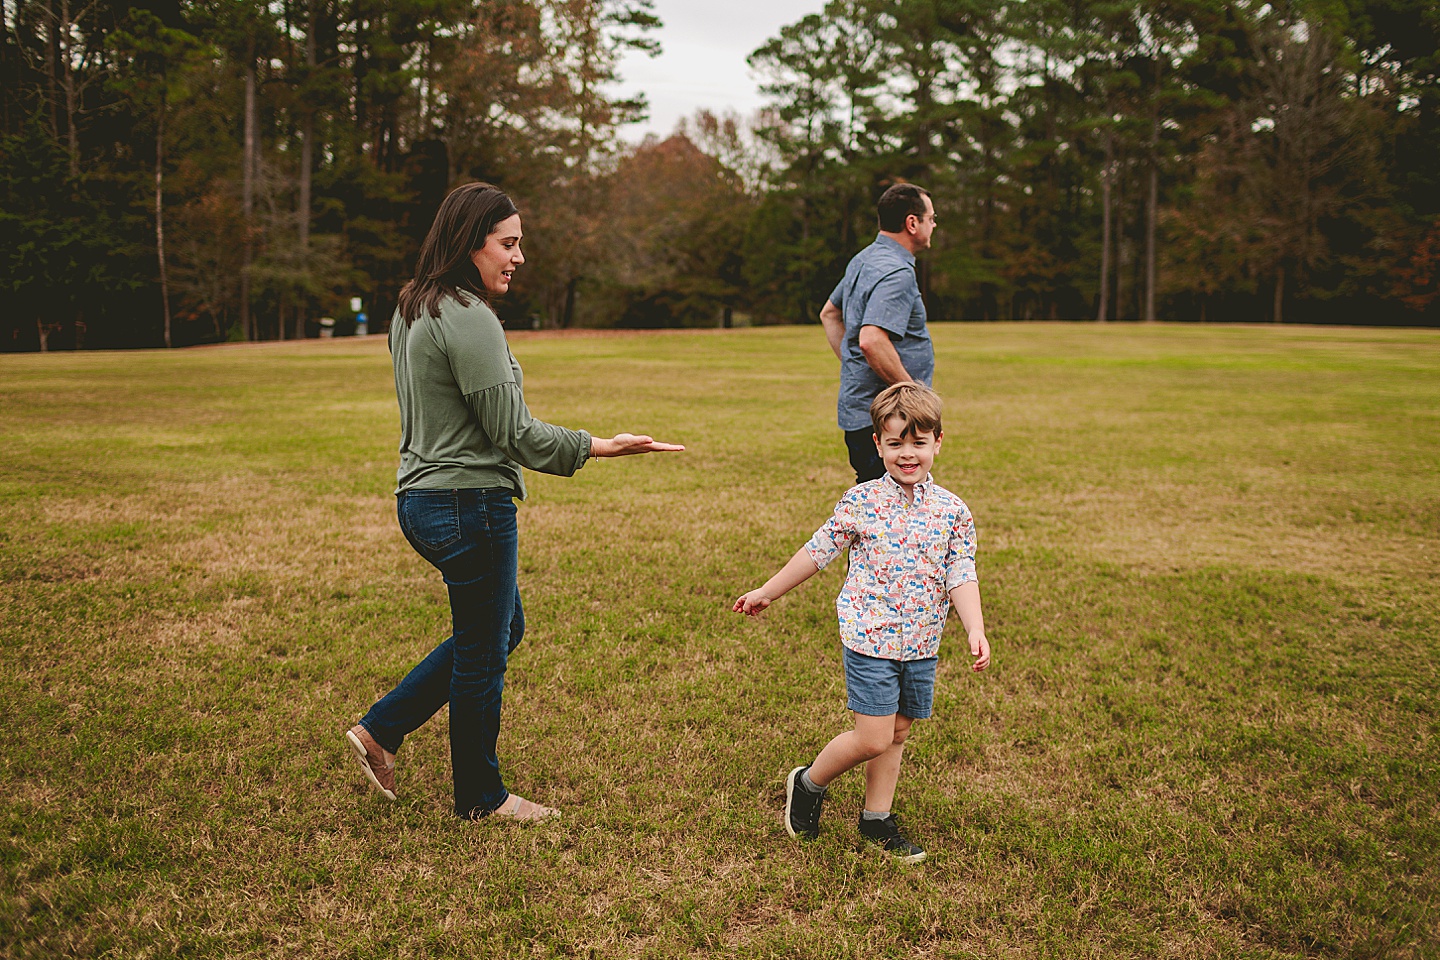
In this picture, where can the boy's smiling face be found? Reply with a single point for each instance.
(908, 456)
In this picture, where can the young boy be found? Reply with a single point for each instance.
(912, 554)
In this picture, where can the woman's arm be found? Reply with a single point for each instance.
(535, 444)
(544, 447)
(489, 379)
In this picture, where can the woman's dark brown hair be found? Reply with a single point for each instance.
(444, 269)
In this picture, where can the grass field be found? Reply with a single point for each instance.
(1210, 560)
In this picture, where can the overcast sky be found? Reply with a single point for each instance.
(702, 60)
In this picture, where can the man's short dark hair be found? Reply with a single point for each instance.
(899, 202)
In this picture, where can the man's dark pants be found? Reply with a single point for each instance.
(864, 458)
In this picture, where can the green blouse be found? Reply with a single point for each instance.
(463, 419)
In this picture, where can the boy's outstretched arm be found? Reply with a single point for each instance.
(797, 571)
(966, 600)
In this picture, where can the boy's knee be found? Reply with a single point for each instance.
(875, 742)
(878, 734)
(902, 729)
(874, 746)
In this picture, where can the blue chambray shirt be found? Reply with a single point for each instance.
(880, 289)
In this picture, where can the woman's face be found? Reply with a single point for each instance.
(501, 254)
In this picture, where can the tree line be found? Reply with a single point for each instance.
(176, 172)
(199, 170)
(1182, 159)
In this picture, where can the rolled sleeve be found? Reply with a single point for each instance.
(835, 535)
(891, 303)
(535, 444)
(960, 557)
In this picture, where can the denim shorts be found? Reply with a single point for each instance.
(878, 688)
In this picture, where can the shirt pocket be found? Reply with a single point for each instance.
(932, 557)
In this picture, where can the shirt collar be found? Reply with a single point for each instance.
(895, 247)
(892, 487)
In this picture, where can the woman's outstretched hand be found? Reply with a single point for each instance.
(625, 444)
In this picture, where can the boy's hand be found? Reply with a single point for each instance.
(980, 649)
(751, 603)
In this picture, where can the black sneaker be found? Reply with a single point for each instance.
(802, 807)
(885, 834)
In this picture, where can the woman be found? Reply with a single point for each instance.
(465, 432)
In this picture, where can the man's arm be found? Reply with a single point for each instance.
(887, 314)
(880, 353)
(833, 320)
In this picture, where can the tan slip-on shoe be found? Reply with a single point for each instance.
(379, 771)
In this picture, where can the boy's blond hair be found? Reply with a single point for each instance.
(915, 403)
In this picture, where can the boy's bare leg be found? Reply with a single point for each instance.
(882, 773)
(871, 738)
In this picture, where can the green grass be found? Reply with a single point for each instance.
(1210, 560)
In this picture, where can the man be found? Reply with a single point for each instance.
(875, 320)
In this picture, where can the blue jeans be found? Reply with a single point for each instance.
(470, 536)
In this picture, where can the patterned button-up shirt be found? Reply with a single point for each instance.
(905, 558)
